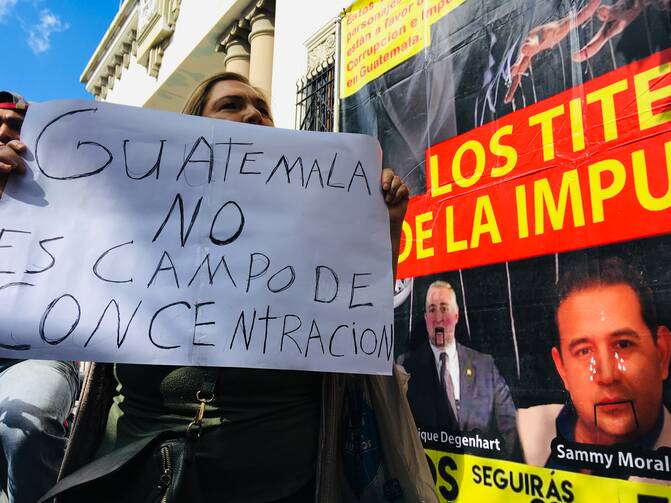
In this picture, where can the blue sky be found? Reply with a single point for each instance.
(47, 43)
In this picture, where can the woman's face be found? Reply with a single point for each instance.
(234, 101)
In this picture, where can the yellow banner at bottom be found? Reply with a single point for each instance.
(463, 477)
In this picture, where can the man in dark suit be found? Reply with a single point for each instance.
(453, 387)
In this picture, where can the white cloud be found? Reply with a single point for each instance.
(6, 7)
(38, 36)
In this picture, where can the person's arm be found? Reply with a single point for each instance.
(396, 196)
(615, 18)
(545, 37)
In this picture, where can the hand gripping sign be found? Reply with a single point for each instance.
(141, 236)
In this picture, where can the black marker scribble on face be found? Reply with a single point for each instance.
(620, 402)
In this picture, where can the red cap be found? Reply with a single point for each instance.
(12, 101)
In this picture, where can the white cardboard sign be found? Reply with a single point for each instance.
(141, 236)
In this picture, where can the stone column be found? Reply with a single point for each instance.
(237, 51)
(261, 42)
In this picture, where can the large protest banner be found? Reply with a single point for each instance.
(149, 237)
(535, 303)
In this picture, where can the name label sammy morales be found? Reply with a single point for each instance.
(142, 236)
(654, 464)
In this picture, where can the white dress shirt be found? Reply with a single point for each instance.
(452, 364)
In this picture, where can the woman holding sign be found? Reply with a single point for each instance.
(245, 435)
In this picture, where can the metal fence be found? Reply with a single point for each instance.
(315, 99)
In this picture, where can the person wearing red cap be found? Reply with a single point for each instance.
(12, 110)
(36, 396)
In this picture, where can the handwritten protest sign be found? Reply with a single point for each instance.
(147, 237)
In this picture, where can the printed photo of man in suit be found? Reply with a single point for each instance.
(453, 387)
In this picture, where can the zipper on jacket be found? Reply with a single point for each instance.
(166, 476)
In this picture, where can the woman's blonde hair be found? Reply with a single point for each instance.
(196, 102)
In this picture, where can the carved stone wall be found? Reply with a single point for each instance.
(142, 28)
(248, 44)
(156, 24)
(321, 49)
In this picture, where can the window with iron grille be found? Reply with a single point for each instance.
(315, 99)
